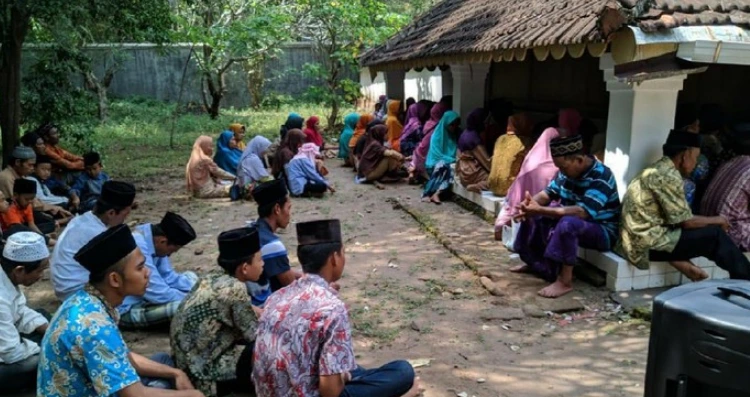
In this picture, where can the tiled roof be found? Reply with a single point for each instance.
(456, 27)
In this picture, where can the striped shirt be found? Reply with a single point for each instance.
(595, 191)
(275, 262)
(728, 195)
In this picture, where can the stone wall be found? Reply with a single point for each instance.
(154, 72)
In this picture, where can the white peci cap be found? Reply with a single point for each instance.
(25, 247)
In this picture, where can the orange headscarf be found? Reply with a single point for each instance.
(394, 125)
(196, 173)
(364, 120)
(237, 128)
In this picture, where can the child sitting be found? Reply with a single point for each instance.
(43, 172)
(88, 186)
(20, 211)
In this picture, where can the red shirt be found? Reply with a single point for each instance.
(16, 215)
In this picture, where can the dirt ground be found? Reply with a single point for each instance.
(410, 297)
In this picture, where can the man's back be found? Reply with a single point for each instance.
(68, 275)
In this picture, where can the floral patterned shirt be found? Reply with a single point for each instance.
(653, 208)
(303, 333)
(83, 353)
(207, 332)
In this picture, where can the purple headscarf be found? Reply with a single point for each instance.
(412, 120)
(436, 114)
(474, 126)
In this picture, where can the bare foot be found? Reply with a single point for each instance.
(555, 290)
(425, 199)
(379, 185)
(475, 188)
(694, 273)
(522, 268)
(436, 199)
(416, 389)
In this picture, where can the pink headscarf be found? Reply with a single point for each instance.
(420, 153)
(537, 171)
(308, 151)
(198, 169)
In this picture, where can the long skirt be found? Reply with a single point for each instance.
(546, 244)
(441, 179)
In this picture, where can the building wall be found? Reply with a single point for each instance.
(371, 88)
(424, 85)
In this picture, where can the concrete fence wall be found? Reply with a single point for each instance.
(154, 72)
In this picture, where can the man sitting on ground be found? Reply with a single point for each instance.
(213, 331)
(83, 352)
(587, 216)
(25, 256)
(304, 344)
(88, 184)
(112, 208)
(166, 288)
(658, 225)
(274, 212)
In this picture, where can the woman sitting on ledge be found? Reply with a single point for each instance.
(473, 166)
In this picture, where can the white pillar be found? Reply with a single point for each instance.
(639, 120)
(469, 85)
(394, 84)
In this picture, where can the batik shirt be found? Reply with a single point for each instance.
(303, 333)
(596, 192)
(83, 353)
(653, 208)
(208, 328)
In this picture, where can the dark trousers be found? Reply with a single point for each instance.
(712, 243)
(391, 380)
(21, 376)
(243, 383)
(45, 222)
(314, 188)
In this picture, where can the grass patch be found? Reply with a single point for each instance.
(135, 140)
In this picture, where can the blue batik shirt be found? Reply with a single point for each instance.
(596, 192)
(83, 353)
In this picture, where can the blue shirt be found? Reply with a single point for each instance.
(68, 276)
(56, 185)
(299, 171)
(596, 192)
(164, 284)
(275, 262)
(83, 353)
(86, 186)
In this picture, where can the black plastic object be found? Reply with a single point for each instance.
(700, 341)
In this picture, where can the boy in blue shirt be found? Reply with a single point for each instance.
(88, 185)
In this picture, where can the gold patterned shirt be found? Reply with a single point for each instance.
(209, 330)
(653, 208)
(83, 353)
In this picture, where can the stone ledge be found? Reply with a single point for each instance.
(486, 200)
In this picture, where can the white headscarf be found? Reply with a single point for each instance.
(251, 168)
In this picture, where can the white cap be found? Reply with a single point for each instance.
(25, 247)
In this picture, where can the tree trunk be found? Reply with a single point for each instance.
(10, 81)
(102, 103)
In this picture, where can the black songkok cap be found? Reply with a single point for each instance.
(269, 192)
(106, 249)
(319, 232)
(91, 158)
(566, 146)
(177, 229)
(679, 138)
(24, 186)
(121, 194)
(238, 244)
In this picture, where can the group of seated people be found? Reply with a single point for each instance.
(252, 325)
(44, 185)
(237, 167)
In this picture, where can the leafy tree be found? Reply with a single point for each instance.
(67, 22)
(340, 30)
(228, 32)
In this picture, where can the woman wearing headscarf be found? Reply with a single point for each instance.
(382, 110)
(293, 121)
(238, 142)
(413, 132)
(377, 161)
(252, 170)
(226, 157)
(537, 170)
(417, 168)
(289, 147)
(441, 155)
(510, 151)
(312, 132)
(393, 125)
(302, 176)
(496, 123)
(350, 123)
(359, 132)
(473, 165)
(204, 177)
